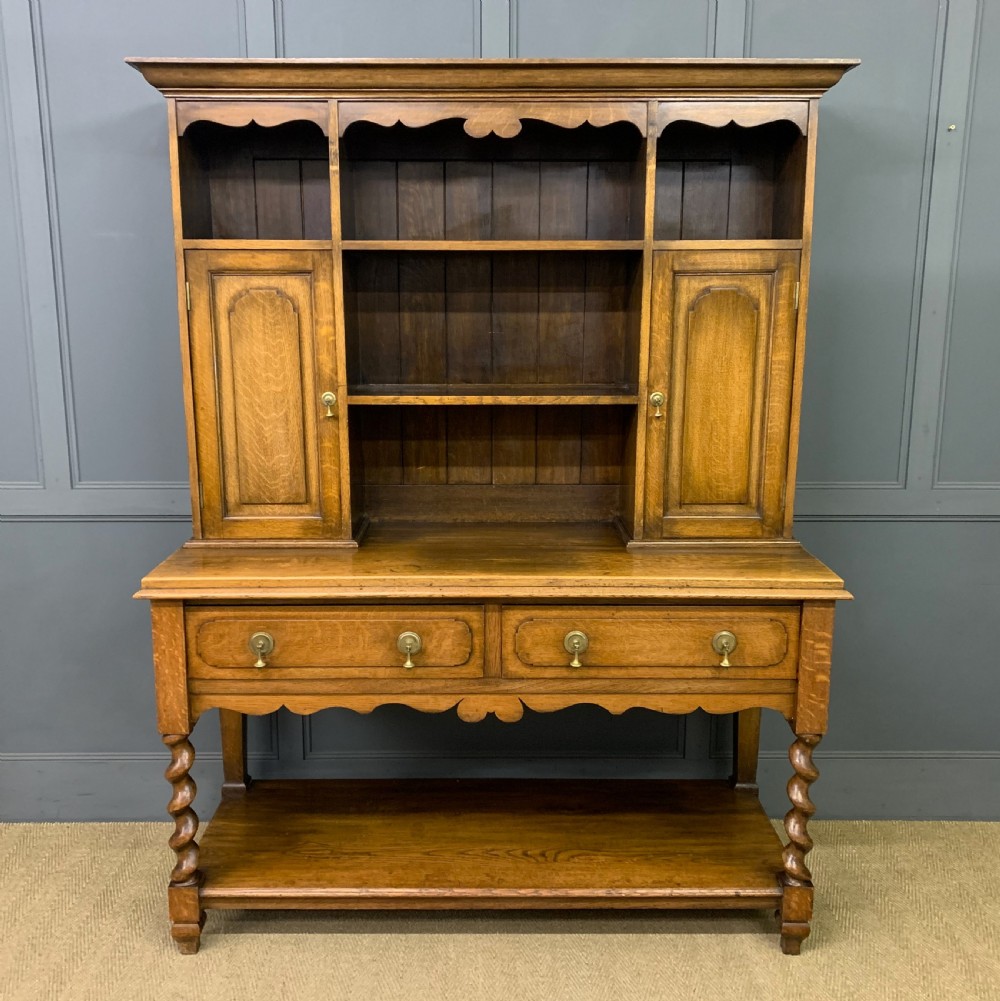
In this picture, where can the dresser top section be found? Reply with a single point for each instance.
(394, 78)
(480, 562)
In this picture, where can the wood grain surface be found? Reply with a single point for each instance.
(530, 561)
(664, 642)
(495, 844)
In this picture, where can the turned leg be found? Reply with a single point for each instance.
(797, 895)
(236, 779)
(186, 915)
(746, 749)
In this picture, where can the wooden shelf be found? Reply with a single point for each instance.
(727, 245)
(496, 844)
(256, 244)
(492, 245)
(482, 395)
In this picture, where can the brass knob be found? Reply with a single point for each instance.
(328, 400)
(409, 643)
(261, 644)
(724, 643)
(575, 642)
(657, 400)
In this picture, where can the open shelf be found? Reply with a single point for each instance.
(254, 183)
(482, 323)
(438, 183)
(489, 463)
(458, 396)
(497, 245)
(727, 245)
(498, 843)
(730, 183)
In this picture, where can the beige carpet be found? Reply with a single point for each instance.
(905, 910)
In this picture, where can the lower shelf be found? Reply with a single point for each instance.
(490, 844)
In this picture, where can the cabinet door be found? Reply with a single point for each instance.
(722, 352)
(262, 355)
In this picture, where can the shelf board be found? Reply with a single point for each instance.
(257, 244)
(498, 843)
(727, 245)
(480, 395)
(492, 245)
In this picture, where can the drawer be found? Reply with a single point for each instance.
(641, 642)
(344, 641)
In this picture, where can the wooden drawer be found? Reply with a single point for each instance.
(345, 641)
(640, 642)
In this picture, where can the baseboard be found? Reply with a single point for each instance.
(852, 785)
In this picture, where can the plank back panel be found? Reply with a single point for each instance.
(252, 183)
(510, 318)
(546, 182)
(729, 182)
(552, 462)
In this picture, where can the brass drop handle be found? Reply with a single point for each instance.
(409, 643)
(261, 644)
(657, 399)
(724, 643)
(328, 400)
(575, 642)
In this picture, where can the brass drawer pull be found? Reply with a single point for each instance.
(328, 400)
(409, 643)
(261, 644)
(724, 643)
(575, 642)
(657, 400)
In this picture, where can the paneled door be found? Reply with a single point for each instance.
(263, 360)
(722, 354)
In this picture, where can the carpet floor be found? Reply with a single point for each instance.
(904, 910)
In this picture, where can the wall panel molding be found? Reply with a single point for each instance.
(924, 216)
(609, 37)
(731, 20)
(33, 234)
(959, 109)
(55, 237)
(16, 231)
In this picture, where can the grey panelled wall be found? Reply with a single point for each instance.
(900, 471)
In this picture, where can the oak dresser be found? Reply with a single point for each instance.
(492, 372)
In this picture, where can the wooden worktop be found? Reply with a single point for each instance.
(495, 561)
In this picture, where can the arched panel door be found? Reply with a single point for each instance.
(722, 356)
(262, 358)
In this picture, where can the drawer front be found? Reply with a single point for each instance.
(346, 641)
(640, 642)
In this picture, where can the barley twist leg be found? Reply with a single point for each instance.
(186, 916)
(797, 895)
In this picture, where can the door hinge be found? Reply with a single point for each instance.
(187, 295)
(796, 297)
(201, 496)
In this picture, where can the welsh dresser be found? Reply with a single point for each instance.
(492, 372)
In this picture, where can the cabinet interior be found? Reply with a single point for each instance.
(254, 183)
(489, 463)
(438, 183)
(730, 183)
(504, 321)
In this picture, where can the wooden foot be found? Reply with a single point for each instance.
(186, 916)
(795, 915)
(797, 895)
